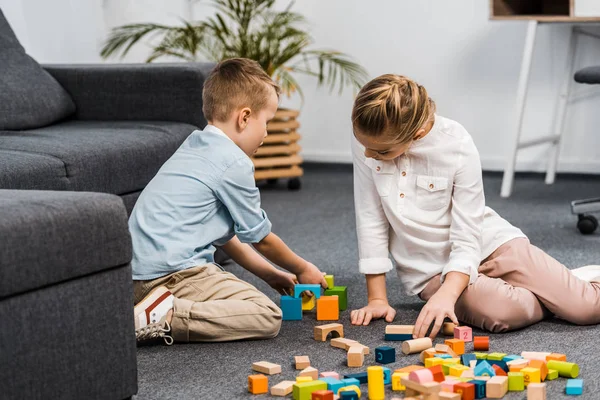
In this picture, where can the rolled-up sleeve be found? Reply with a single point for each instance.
(238, 192)
(372, 226)
(468, 208)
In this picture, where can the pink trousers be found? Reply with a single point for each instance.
(519, 285)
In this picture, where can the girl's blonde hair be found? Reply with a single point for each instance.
(392, 106)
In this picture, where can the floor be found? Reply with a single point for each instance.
(318, 223)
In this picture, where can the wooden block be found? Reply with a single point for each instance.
(535, 355)
(397, 337)
(341, 292)
(266, 368)
(375, 382)
(356, 356)
(536, 391)
(416, 345)
(291, 308)
(427, 353)
(322, 331)
(449, 396)
(365, 349)
(409, 369)
(437, 373)
(282, 388)
(444, 348)
(300, 288)
(481, 343)
(330, 374)
(322, 395)
(330, 281)
(448, 328)
(516, 381)
(302, 379)
(342, 343)
(496, 356)
(457, 370)
(426, 388)
(397, 380)
(385, 354)
(457, 345)
(308, 303)
(556, 357)
(421, 376)
(468, 373)
(400, 329)
(258, 384)
(565, 369)
(328, 308)
(574, 387)
(448, 385)
(463, 333)
(552, 375)
(303, 391)
(433, 361)
(531, 375)
(466, 390)
(496, 387)
(302, 362)
(310, 371)
(541, 365)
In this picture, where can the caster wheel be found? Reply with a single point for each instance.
(294, 184)
(587, 224)
(272, 181)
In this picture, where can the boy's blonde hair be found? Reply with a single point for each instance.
(234, 84)
(392, 107)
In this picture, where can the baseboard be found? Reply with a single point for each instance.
(487, 163)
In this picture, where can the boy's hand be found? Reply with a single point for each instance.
(310, 274)
(374, 310)
(282, 282)
(439, 306)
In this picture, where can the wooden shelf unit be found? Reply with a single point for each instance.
(278, 156)
(539, 10)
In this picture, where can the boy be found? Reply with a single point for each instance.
(205, 195)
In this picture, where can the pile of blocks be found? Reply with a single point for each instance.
(448, 372)
(329, 305)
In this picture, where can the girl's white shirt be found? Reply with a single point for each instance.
(426, 209)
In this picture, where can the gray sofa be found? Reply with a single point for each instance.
(65, 279)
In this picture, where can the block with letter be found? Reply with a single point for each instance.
(463, 333)
(531, 375)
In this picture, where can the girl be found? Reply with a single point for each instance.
(419, 196)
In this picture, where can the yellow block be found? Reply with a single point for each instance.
(457, 370)
(308, 303)
(450, 361)
(302, 379)
(375, 381)
(433, 361)
(397, 381)
(329, 280)
(531, 375)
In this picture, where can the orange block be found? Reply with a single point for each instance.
(457, 345)
(258, 384)
(541, 365)
(328, 308)
(481, 343)
(499, 371)
(556, 357)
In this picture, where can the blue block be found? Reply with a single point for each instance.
(349, 382)
(444, 356)
(349, 395)
(467, 358)
(398, 337)
(333, 384)
(574, 386)
(484, 368)
(479, 388)
(361, 376)
(291, 308)
(302, 287)
(387, 376)
(499, 363)
(511, 357)
(385, 354)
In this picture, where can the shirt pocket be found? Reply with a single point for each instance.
(383, 175)
(433, 192)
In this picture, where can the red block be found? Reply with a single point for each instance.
(322, 395)
(438, 373)
(481, 343)
(466, 390)
(499, 371)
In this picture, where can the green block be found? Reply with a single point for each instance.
(552, 375)
(342, 293)
(446, 368)
(329, 280)
(303, 391)
(496, 356)
(565, 369)
(516, 381)
(481, 356)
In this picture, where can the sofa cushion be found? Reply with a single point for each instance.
(22, 170)
(50, 237)
(110, 157)
(29, 96)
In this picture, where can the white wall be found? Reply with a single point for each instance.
(470, 65)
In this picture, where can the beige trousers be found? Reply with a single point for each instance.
(519, 285)
(212, 305)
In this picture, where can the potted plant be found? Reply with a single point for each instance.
(253, 29)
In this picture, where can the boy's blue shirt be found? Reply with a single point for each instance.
(201, 197)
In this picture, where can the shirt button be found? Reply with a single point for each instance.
(378, 169)
(403, 173)
(401, 195)
(431, 186)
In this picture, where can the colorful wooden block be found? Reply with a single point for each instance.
(355, 357)
(409, 368)
(310, 371)
(342, 293)
(448, 328)
(282, 388)
(258, 384)
(556, 357)
(342, 343)
(574, 387)
(466, 390)
(361, 376)
(448, 385)
(421, 376)
(496, 387)
(536, 391)
(430, 362)
(400, 329)
(375, 382)
(416, 345)
(396, 381)
(481, 356)
(437, 373)
(517, 365)
(301, 379)
(484, 368)
(322, 332)
(443, 356)
(299, 288)
(463, 333)
(322, 395)
(304, 391)
(428, 390)
(457, 345)
(329, 374)
(302, 362)
(348, 394)
(351, 382)
(531, 375)
(499, 363)
(552, 375)
(333, 384)
(448, 396)
(535, 355)
(308, 302)
(516, 381)
(266, 367)
(330, 281)
(499, 371)
(467, 358)
(328, 308)
(479, 388)
(397, 337)
(481, 343)
(541, 365)
(291, 308)
(387, 376)
(565, 369)
(496, 356)
(385, 354)
(511, 357)
(457, 370)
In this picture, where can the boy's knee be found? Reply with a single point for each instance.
(586, 314)
(273, 322)
(516, 316)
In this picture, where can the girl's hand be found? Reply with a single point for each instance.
(312, 275)
(374, 310)
(282, 282)
(439, 306)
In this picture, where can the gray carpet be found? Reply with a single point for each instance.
(318, 223)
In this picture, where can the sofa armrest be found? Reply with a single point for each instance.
(51, 237)
(128, 92)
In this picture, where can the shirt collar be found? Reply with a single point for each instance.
(216, 131)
